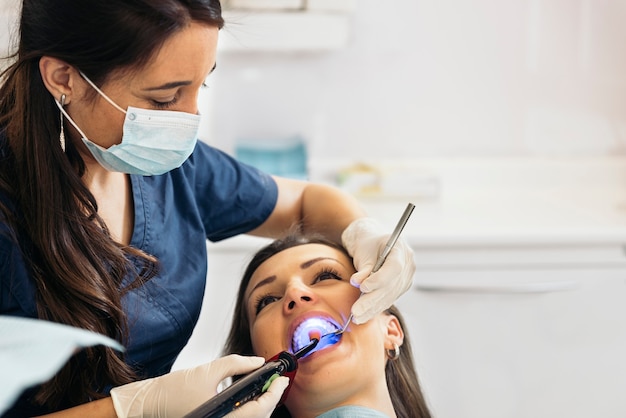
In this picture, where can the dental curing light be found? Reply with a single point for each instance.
(252, 385)
(315, 328)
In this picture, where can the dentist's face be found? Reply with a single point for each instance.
(171, 80)
(305, 287)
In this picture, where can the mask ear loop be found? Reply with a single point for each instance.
(107, 98)
(69, 119)
(62, 134)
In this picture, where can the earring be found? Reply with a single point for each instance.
(62, 134)
(393, 353)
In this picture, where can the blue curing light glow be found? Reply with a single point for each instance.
(315, 326)
(327, 340)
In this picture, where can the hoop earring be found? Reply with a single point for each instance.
(393, 353)
(62, 134)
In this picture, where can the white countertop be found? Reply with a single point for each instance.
(501, 217)
(500, 201)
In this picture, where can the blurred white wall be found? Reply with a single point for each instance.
(433, 78)
(9, 10)
(440, 78)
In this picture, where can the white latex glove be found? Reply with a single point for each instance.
(264, 405)
(365, 239)
(178, 393)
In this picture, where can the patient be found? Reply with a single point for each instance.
(299, 284)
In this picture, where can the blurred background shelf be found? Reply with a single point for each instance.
(286, 25)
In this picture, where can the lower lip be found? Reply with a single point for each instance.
(317, 353)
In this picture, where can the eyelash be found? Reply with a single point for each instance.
(259, 302)
(165, 105)
(328, 271)
(324, 274)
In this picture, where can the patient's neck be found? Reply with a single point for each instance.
(311, 403)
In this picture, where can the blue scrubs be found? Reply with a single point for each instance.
(211, 196)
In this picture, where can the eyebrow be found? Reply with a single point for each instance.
(174, 84)
(309, 263)
(303, 266)
(168, 86)
(263, 282)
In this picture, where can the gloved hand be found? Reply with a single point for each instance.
(264, 405)
(178, 393)
(365, 239)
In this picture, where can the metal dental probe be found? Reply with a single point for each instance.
(379, 262)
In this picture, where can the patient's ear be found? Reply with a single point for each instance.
(395, 334)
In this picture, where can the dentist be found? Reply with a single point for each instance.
(107, 199)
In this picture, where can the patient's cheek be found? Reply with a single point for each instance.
(263, 344)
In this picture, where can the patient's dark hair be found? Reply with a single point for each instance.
(402, 381)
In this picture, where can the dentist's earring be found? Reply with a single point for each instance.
(62, 134)
(393, 353)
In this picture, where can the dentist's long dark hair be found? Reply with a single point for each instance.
(78, 269)
(402, 381)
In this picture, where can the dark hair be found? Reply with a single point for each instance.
(404, 388)
(77, 267)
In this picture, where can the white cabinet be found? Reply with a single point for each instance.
(515, 339)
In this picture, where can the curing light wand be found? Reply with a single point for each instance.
(251, 385)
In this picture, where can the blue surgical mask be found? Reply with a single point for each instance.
(153, 141)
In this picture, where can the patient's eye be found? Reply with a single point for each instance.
(326, 274)
(263, 300)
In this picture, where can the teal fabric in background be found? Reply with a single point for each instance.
(281, 157)
(352, 411)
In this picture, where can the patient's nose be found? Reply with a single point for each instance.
(298, 295)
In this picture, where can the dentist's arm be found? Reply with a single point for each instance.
(338, 216)
(315, 207)
(177, 393)
(102, 408)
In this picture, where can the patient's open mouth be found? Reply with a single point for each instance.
(312, 326)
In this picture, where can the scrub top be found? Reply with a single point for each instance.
(211, 196)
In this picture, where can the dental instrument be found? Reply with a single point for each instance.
(253, 384)
(333, 337)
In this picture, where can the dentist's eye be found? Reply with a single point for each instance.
(164, 105)
(326, 274)
(263, 300)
